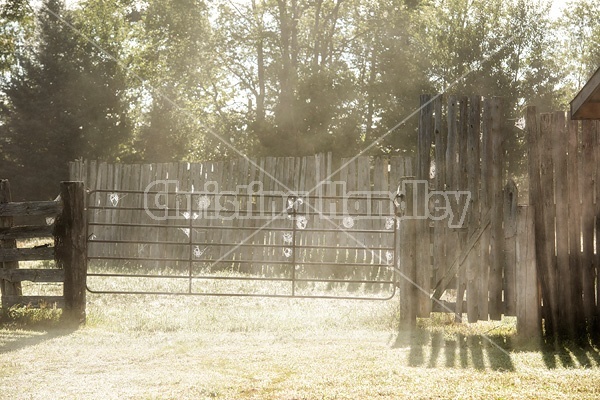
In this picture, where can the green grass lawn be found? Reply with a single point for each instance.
(161, 347)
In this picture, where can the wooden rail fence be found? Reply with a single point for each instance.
(66, 224)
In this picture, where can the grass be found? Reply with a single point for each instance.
(173, 347)
(155, 347)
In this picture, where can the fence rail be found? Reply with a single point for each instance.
(64, 220)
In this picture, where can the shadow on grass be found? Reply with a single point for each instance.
(15, 338)
(480, 351)
(434, 349)
(22, 327)
(570, 354)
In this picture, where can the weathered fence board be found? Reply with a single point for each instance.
(42, 208)
(560, 145)
(510, 262)
(25, 232)
(423, 249)
(587, 211)
(527, 296)
(574, 224)
(474, 177)
(497, 236)
(32, 275)
(486, 203)
(407, 264)
(32, 254)
(463, 150)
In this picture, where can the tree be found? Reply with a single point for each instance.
(182, 93)
(65, 101)
(578, 41)
(288, 58)
(390, 73)
(493, 48)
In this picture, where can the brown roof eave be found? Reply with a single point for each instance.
(586, 105)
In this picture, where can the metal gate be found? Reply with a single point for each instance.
(250, 243)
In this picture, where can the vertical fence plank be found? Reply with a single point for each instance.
(319, 191)
(511, 196)
(462, 184)
(497, 236)
(587, 211)
(314, 169)
(596, 135)
(407, 263)
(574, 209)
(8, 288)
(486, 202)
(422, 225)
(364, 187)
(528, 303)
(146, 177)
(560, 146)
(245, 235)
(71, 249)
(535, 199)
(380, 173)
(352, 186)
(547, 202)
(439, 232)
(137, 201)
(473, 260)
(452, 251)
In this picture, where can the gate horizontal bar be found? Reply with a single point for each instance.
(275, 246)
(286, 296)
(238, 278)
(243, 228)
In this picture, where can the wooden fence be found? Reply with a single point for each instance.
(320, 175)
(537, 261)
(486, 259)
(66, 223)
(564, 168)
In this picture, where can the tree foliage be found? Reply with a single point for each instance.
(167, 80)
(63, 103)
(578, 34)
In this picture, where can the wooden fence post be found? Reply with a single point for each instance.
(407, 260)
(71, 249)
(8, 288)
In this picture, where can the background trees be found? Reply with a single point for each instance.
(63, 101)
(578, 35)
(170, 80)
